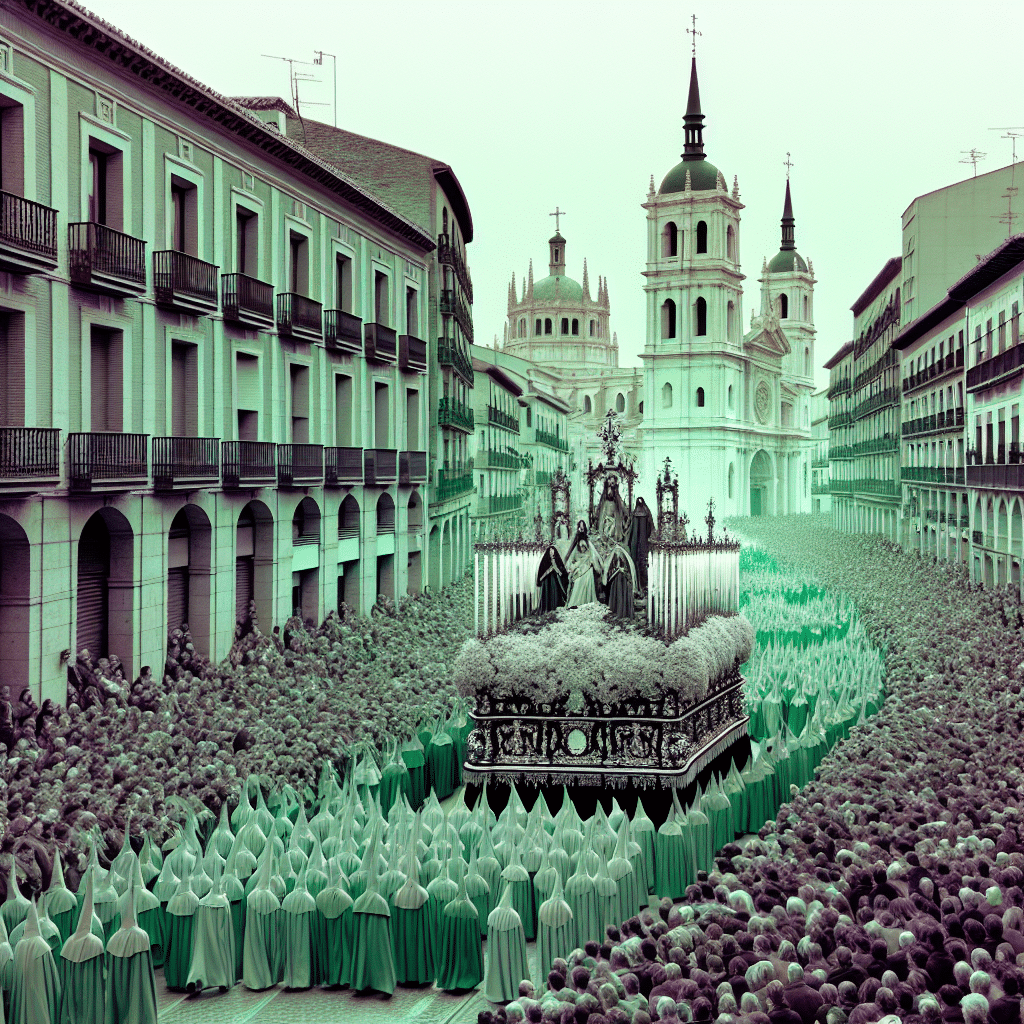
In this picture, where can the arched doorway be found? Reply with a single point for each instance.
(15, 554)
(760, 484)
(254, 564)
(306, 561)
(105, 587)
(434, 554)
(188, 575)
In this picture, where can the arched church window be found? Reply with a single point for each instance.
(591, 328)
(587, 404)
(729, 397)
(620, 402)
(731, 474)
(522, 327)
(670, 240)
(700, 398)
(783, 306)
(556, 255)
(730, 243)
(702, 236)
(701, 316)
(536, 327)
(807, 309)
(547, 325)
(666, 396)
(668, 319)
(807, 360)
(565, 325)
(575, 326)
(640, 408)
(730, 321)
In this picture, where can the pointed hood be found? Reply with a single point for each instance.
(129, 939)
(59, 898)
(555, 912)
(32, 938)
(84, 944)
(504, 917)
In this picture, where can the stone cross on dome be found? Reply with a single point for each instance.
(557, 214)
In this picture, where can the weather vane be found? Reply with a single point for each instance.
(558, 213)
(693, 32)
(787, 163)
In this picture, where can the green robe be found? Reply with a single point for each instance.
(460, 958)
(83, 993)
(373, 960)
(131, 989)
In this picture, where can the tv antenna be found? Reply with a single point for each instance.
(1008, 218)
(1013, 134)
(294, 77)
(972, 156)
(319, 60)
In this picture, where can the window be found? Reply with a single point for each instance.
(670, 240)
(184, 390)
(247, 384)
(536, 326)
(247, 253)
(381, 299)
(381, 415)
(591, 328)
(732, 473)
(668, 319)
(343, 283)
(12, 369)
(700, 398)
(701, 317)
(1014, 324)
(1002, 331)
(807, 309)
(106, 380)
(299, 388)
(702, 236)
(12, 147)
(587, 404)
(575, 326)
(547, 325)
(565, 325)
(666, 396)
(298, 263)
(730, 321)
(522, 327)
(412, 312)
(729, 397)
(184, 216)
(97, 187)
(343, 410)
(783, 306)
(730, 244)
(412, 419)
(620, 402)
(807, 360)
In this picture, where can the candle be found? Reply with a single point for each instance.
(476, 593)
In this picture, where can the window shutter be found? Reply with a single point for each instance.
(93, 570)
(177, 597)
(248, 379)
(244, 590)
(99, 355)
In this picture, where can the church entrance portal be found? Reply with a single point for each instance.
(760, 479)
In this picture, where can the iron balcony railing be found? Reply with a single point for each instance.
(451, 304)
(248, 463)
(343, 466)
(184, 282)
(380, 466)
(841, 486)
(380, 344)
(1005, 476)
(28, 234)
(883, 398)
(453, 413)
(884, 488)
(499, 418)
(933, 474)
(299, 316)
(875, 446)
(453, 482)
(504, 503)
(185, 460)
(999, 368)
(300, 465)
(412, 354)
(450, 354)
(343, 331)
(106, 458)
(551, 440)
(499, 460)
(29, 453)
(823, 487)
(948, 419)
(412, 468)
(106, 260)
(448, 254)
(887, 359)
(840, 387)
(819, 463)
(841, 419)
(247, 300)
(950, 361)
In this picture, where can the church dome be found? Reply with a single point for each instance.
(567, 289)
(786, 261)
(703, 177)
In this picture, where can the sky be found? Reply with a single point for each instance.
(575, 105)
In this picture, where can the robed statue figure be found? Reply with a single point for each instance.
(619, 582)
(641, 526)
(553, 580)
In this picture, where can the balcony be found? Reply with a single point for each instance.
(821, 488)
(841, 419)
(491, 459)
(452, 413)
(185, 462)
(551, 440)
(412, 354)
(107, 459)
(1000, 368)
(933, 474)
(343, 466)
(28, 235)
(412, 468)
(448, 255)
(451, 304)
(841, 451)
(841, 387)
(29, 458)
(247, 301)
(380, 467)
(886, 360)
(950, 419)
(343, 332)
(951, 361)
(381, 343)
(504, 503)
(451, 483)
(449, 354)
(104, 260)
(299, 318)
(999, 476)
(841, 486)
(499, 418)
(881, 488)
(184, 283)
(875, 446)
(300, 465)
(877, 401)
(248, 463)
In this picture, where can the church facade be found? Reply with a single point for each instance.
(730, 407)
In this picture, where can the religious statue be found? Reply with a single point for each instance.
(611, 512)
(582, 563)
(641, 526)
(619, 582)
(553, 580)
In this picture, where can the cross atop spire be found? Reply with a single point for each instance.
(787, 163)
(693, 32)
(557, 214)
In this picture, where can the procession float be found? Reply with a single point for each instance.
(607, 653)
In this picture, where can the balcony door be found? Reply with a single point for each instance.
(106, 380)
(12, 369)
(184, 390)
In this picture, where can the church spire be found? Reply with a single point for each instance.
(788, 223)
(693, 122)
(586, 281)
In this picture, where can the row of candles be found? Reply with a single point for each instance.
(504, 584)
(685, 585)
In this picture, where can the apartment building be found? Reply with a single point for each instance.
(821, 496)
(215, 385)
